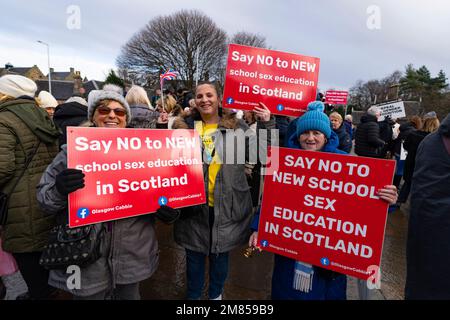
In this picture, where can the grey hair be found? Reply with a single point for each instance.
(373, 110)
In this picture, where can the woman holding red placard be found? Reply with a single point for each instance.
(211, 230)
(296, 280)
(128, 247)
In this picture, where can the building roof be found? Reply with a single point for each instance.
(60, 75)
(92, 85)
(19, 71)
(61, 90)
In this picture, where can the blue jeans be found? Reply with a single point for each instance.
(218, 272)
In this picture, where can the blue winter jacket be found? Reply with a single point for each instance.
(327, 285)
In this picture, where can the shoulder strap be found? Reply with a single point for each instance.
(27, 163)
(446, 141)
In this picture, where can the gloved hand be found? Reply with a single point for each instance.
(69, 180)
(167, 214)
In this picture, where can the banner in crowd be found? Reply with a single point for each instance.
(328, 213)
(336, 97)
(285, 82)
(394, 110)
(132, 172)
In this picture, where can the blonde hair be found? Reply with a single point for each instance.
(137, 96)
(5, 97)
(169, 103)
(416, 122)
(430, 125)
(336, 115)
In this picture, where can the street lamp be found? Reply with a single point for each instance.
(49, 71)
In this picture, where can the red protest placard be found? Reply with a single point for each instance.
(336, 97)
(285, 82)
(327, 213)
(131, 172)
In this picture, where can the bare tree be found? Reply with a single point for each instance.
(249, 39)
(365, 94)
(172, 42)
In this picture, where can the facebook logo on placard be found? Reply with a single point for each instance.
(83, 213)
(264, 243)
(325, 261)
(280, 107)
(162, 201)
(230, 100)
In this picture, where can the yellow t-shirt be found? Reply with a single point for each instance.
(206, 131)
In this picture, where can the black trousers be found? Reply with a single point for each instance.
(35, 276)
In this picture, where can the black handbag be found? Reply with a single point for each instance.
(4, 198)
(72, 246)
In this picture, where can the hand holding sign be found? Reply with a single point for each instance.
(167, 214)
(69, 180)
(263, 113)
(388, 194)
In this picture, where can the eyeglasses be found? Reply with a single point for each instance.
(106, 110)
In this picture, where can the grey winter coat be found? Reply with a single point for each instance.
(143, 117)
(129, 246)
(232, 201)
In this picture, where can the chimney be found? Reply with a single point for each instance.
(72, 70)
(8, 66)
(52, 70)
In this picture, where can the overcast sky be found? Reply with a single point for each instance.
(410, 31)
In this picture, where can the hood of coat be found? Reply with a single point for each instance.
(407, 126)
(444, 129)
(70, 109)
(34, 117)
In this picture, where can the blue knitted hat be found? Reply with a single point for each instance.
(314, 119)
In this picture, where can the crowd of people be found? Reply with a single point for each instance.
(36, 181)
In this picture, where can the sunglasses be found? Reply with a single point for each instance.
(106, 110)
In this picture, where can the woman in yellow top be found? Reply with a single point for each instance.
(213, 229)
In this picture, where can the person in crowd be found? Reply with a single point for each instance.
(411, 145)
(142, 114)
(386, 134)
(431, 114)
(156, 96)
(349, 127)
(395, 147)
(313, 132)
(395, 129)
(12, 285)
(70, 113)
(428, 240)
(367, 135)
(188, 111)
(345, 142)
(46, 101)
(129, 248)
(212, 230)
(168, 112)
(253, 170)
(188, 96)
(28, 145)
